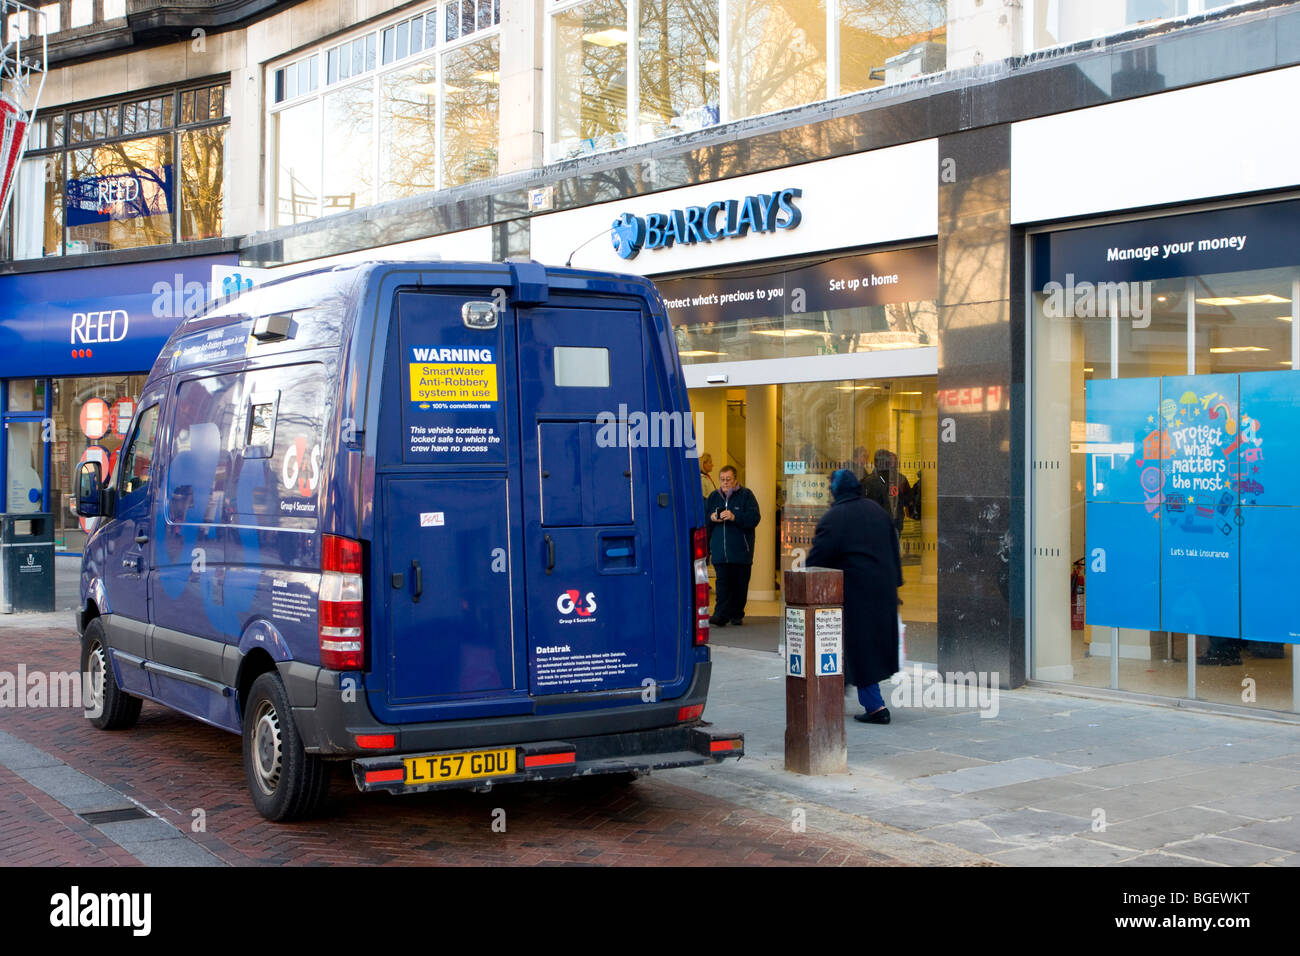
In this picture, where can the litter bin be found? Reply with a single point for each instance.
(26, 562)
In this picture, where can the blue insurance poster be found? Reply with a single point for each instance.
(1193, 504)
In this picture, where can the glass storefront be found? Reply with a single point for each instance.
(91, 417)
(1163, 353)
(879, 426)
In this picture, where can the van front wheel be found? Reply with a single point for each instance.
(285, 782)
(107, 706)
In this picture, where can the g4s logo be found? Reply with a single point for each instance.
(299, 470)
(567, 603)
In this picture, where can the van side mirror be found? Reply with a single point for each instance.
(90, 491)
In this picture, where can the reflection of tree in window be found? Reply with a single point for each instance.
(872, 31)
(470, 112)
(202, 182)
(778, 55)
(591, 58)
(349, 148)
(141, 172)
(408, 130)
(678, 47)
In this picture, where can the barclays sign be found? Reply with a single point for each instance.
(726, 219)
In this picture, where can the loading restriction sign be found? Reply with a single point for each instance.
(828, 631)
(795, 658)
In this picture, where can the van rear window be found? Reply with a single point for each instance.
(577, 367)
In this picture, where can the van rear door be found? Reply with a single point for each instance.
(590, 609)
(449, 551)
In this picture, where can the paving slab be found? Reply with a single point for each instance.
(1217, 849)
(1283, 835)
(999, 774)
(1265, 805)
(1159, 830)
(1071, 851)
(1033, 793)
(1035, 825)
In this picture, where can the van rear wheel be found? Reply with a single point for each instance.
(285, 781)
(106, 705)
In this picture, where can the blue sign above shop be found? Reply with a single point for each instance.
(98, 320)
(1193, 507)
(1202, 243)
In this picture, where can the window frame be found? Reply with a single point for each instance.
(55, 126)
(376, 73)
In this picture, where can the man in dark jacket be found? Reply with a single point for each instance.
(857, 536)
(733, 515)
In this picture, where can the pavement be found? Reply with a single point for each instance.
(1046, 778)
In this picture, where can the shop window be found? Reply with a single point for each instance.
(678, 66)
(874, 302)
(430, 120)
(470, 126)
(92, 416)
(883, 43)
(116, 188)
(777, 55)
(589, 82)
(1053, 22)
(1142, 441)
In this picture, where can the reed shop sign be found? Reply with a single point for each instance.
(724, 219)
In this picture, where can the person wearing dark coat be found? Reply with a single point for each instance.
(733, 515)
(857, 536)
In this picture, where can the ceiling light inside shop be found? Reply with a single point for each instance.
(1238, 348)
(1284, 362)
(698, 353)
(857, 388)
(785, 333)
(1267, 297)
(610, 37)
(911, 393)
(1089, 369)
(487, 76)
(711, 66)
(1284, 318)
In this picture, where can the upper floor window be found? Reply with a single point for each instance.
(630, 71)
(406, 107)
(1055, 22)
(140, 172)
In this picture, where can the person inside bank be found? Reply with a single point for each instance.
(733, 515)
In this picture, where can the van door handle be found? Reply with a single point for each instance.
(419, 578)
(141, 538)
(550, 554)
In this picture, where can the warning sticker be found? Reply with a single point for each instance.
(453, 378)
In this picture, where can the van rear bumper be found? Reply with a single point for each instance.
(688, 745)
(331, 726)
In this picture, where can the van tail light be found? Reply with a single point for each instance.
(699, 548)
(342, 626)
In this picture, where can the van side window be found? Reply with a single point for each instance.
(577, 367)
(259, 424)
(139, 457)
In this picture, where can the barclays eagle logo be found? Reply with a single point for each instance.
(628, 235)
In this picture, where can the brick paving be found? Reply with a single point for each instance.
(172, 766)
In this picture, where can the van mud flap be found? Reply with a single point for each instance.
(686, 746)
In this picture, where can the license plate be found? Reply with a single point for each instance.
(435, 768)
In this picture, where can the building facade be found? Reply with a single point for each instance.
(932, 240)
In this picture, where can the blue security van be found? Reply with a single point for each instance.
(410, 517)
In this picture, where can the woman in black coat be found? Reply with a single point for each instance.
(857, 536)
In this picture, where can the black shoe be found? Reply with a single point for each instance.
(737, 621)
(717, 622)
(876, 717)
(1214, 660)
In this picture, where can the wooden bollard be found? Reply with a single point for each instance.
(814, 682)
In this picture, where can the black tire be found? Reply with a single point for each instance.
(286, 783)
(107, 706)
